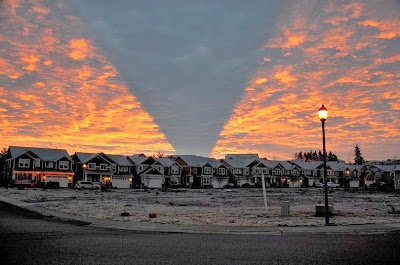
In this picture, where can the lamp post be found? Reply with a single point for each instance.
(323, 115)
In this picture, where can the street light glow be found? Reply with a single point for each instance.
(323, 113)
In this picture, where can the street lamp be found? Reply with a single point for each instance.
(323, 115)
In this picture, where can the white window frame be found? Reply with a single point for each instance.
(24, 163)
(113, 167)
(49, 164)
(92, 166)
(221, 171)
(37, 162)
(103, 166)
(206, 181)
(257, 171)
(174, 170)
(277, 171)
(207, 170)
(195, 170)
(63, 165)
(264, 171)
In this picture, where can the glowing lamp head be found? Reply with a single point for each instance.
(323, 113)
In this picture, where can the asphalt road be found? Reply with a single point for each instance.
(30, 239)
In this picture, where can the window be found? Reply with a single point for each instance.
(277, 171)
(114, 167)
(246, 171)
(330, 172)
(207, 170)
(221, 171)
(64, 165)
(195, 170)
(174, 170)
(49, 164)
(123, 169)
(140, 168)
(37, 162)
(206, 181)
(295, 172)
(92, 166)
(257, 171)
(103, 166)
(24, 163)
(264, 171)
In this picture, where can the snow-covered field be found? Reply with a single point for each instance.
(236, 207)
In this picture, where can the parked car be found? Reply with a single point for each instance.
(52, 185)
(329, 184)
(81, 185)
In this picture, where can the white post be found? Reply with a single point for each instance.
(264, 192)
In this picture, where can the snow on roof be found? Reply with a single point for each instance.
(241, 156)
(199, 161)
(396, 168)
(121, 160)
(138, 159)
(269, 163)
(337, 166)
(286, 165)
(84, 156)
(240, 162)
(386, 168)
(46, 154)
(312, 165)
(166, 162)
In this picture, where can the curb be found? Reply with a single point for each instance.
(355, 230)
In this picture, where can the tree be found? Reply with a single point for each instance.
(358, 158)
(158, 155)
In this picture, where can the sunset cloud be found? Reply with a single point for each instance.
(58, 90)
(335, 57)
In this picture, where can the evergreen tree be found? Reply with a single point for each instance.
(358, 158)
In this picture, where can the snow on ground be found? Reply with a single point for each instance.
(235, 207)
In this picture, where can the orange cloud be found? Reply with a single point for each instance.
(332, 56)
(68, 94)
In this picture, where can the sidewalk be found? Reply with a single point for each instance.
(203, 229)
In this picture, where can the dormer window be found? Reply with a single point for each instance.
(207, 170)
(63, 165)
(24, 163)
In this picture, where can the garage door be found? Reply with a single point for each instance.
(154, 182)
(62, 180)
(120, 183)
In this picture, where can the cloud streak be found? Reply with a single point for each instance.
(57, 89)
(344, 55)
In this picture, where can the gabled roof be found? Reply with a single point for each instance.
(138, 159)
(396, 168)
(152, 171)
(84, 156)
(385, 168)
(196, 161)
(286, 165)
(269, 163)
(120, 160)
(45, 154)
(240, 162)
(166, 162)
(337, 166)
(312, 165)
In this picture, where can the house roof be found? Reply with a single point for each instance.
(46, 154)
(241, 156)
(312, 165)
(337, 166)
(240, 162)
(385, 168)
(166, 162)
(120, 160)
(84, 156)
(269, 163)
(286, 165)
(396, 168)
(138, 159)
(199, 161)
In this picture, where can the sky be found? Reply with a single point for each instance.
(201, 77)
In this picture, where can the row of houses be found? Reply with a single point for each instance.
(39, 166)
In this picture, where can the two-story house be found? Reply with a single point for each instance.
(139, 168)
(240, 168)
(94, 167)
(310, 171)
(121, 177)
(32, 166)
(200, 171)
(172, 171)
